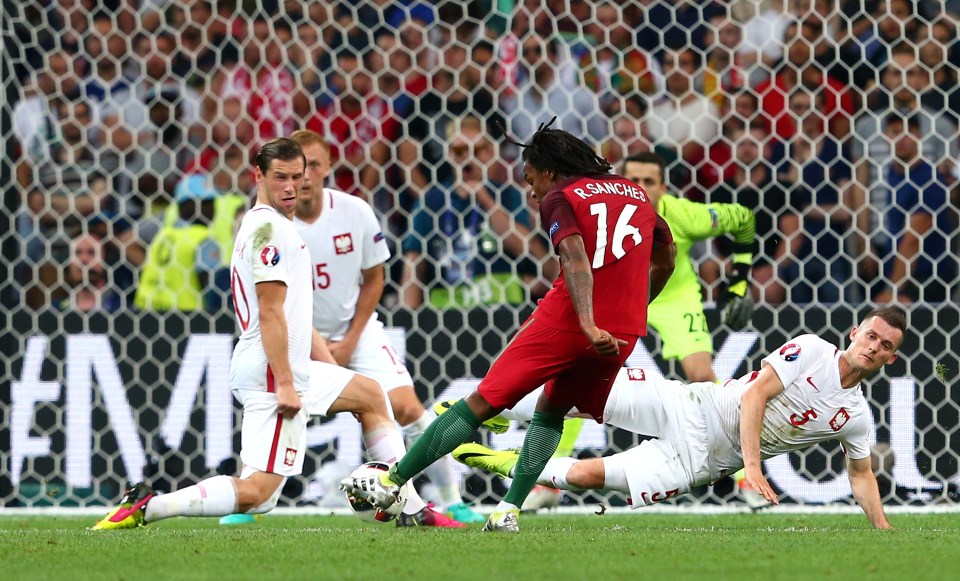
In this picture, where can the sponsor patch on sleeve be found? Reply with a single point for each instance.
(378, 237)
(790, 352)
(554, 227)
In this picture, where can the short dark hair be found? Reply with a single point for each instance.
(280, 148)
(893, 316)
(647, 157)
(562, 152)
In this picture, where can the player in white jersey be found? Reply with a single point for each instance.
(806, 392)
(348, 251)
(270, 282)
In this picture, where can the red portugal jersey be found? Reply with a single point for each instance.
(617, 222)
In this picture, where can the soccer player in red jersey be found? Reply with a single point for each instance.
(616, 255)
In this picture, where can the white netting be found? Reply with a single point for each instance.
(834, 121)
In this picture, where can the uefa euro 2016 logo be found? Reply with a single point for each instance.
(270, 255)
(790, 352)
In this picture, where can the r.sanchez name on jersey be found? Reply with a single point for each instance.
(268, 249)
(812, 408)
(343, 241)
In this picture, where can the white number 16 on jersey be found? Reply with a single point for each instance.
(620, 232)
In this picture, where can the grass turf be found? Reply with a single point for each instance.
(648, 546)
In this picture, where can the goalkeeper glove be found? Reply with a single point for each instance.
(739, 309)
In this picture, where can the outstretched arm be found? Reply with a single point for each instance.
(865, 491)
(753, 403)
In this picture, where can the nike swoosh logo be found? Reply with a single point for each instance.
(471, 455)
(810, 381)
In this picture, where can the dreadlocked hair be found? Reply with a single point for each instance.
(557, 150)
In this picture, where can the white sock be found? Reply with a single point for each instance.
(215, 496)
(441, 472)
(523, 411)
(554, 473)
(385, 444)
(505, 506)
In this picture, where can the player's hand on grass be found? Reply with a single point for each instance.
(757, 481)
(288, 402)
(604, 342)
(739, 309)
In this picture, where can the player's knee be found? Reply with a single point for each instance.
(586, 475)
(406, 406)
(257, 497)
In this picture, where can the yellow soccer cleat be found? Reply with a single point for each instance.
(497, 424)
(499, 462)
(130, 513)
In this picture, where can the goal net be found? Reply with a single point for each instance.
(834, 122)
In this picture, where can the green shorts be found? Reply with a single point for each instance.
(682, 327)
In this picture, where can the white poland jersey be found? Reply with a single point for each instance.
(343, 241)
(812, 408)
(268, 248)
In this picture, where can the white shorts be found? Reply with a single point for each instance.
(376, 357)
(268, 441)
(677, 459)
(327, 382)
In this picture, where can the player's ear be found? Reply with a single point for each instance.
(892, 359)
(853, 333)
(258, 175)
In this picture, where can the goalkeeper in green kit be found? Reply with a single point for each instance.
(677, 313)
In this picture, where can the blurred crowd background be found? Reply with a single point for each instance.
(130, 126)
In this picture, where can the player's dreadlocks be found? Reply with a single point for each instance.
(557, 150)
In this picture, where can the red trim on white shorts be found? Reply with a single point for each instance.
(271, 382)
(276, 441)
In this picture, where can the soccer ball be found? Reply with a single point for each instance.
(367, 511)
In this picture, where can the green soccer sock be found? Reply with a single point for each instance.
(541, 442)
(448, 431)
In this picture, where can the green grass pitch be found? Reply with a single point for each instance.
(612, 546)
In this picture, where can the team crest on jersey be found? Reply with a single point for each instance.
(270, 255)
(289, 457)
(790, 352)
(840, 420)
(636, 374)
(343, 243)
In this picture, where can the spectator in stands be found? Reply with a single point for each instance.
(87, 284)
(724, 74)
(611, 64)
(891, 22)
(35, 114)
(905, 81)
(277, 100)
(67, 183)
(753, 185)
(454, 93)
(919, 224)
(360, 126)
(544, 96)
(935, 56)
(801, 69)
(181, 269)
(812, 262)
(741, 109)
(470, 239)
(763, 32)
(673, 25)
(683, 121)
